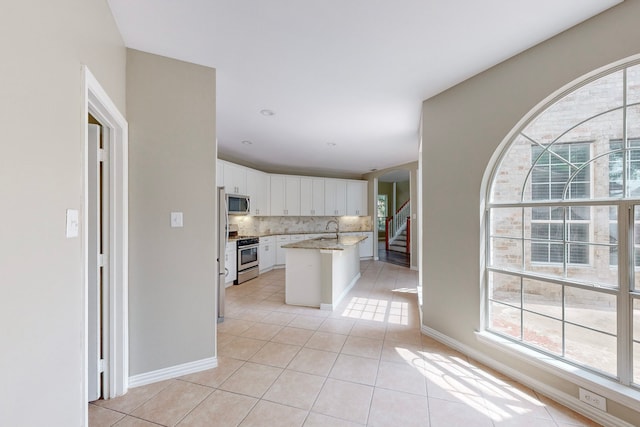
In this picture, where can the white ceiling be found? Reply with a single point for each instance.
(347, 72)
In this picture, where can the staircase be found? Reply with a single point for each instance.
(399, 243)
(397, 229)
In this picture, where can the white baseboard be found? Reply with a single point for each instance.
(173, 372)
(559, 396)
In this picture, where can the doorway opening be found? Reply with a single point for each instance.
(105, 244)
(393, 220)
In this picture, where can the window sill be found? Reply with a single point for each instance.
(619, 393)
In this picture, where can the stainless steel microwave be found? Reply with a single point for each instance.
(238, 205)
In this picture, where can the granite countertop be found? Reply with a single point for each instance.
(325, 243)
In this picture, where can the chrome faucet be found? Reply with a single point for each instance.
(337, 227)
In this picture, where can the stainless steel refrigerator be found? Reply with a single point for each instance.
(223, 235)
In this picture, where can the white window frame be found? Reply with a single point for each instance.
(625, 293)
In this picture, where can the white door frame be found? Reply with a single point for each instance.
(97, 102)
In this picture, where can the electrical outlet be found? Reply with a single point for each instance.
(593, 399)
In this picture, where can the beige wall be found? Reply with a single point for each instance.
(471, 120)
(43, 46)
(172, 167)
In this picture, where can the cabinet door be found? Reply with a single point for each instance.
(366, 246)
(306, 196)
(281, 254)
(292, 195)
(357, 198)
(318, 197)
(258, 192)
(311, 196)
(277, 195)
(267, 254)
(335, 197)
(235, 179)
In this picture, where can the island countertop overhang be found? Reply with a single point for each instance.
(324, 243)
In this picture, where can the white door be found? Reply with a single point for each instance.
(97, 242)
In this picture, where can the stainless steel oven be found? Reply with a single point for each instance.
(248, 258)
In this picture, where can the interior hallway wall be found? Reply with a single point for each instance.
(462, 129)
(172, 162)
(44, 45)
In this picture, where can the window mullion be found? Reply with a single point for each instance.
(626, 272)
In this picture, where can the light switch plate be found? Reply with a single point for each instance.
(72, 223)
(176, 219)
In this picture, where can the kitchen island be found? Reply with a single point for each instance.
(320, 272)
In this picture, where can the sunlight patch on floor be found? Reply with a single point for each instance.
(366, 309)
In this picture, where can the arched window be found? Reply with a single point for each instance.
(563, 230)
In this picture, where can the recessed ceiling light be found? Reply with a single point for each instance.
(267, 113)
(247, 142)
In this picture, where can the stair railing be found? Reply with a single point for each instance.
(398, 222)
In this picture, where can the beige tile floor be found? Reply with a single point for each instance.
(366, 363)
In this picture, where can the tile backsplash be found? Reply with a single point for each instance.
(269, 225)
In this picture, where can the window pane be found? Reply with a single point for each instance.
(504, 288)
(590, 348)
(542, 297)
(636, 319)
(543, 332)
(508, 181)
(636, 363)
(636, 340)
(633, 156)
(504, 319)
(592, 309)
(506, 253)
(506, 222)
(636, 246)
(633, 84)
(598, 96)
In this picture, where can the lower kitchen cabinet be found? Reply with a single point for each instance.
(281, 254)
(267, 253)
(366, 246)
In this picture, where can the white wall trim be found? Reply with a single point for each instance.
(559, 396)
(173, 372)
(99, 104)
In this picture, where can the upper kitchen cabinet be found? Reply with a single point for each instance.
(311, 196)
(335, 197)
(258, 190)
(285, 195)
(235, 179)
(357, 198)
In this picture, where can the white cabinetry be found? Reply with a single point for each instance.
(258, 190)
(281, 253)
(267, 253)
(230, 263)
(235, 179)
(365, 247)
(357, 198)
(285, 195)
(335, 197)
(311, 196)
